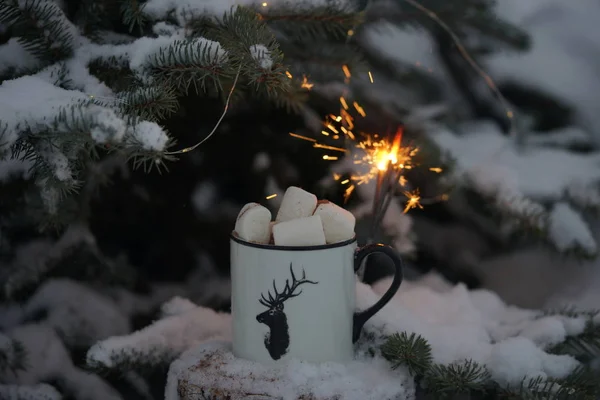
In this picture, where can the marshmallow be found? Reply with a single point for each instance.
(306, 231)
(271, 225)
(338, 223)
(253, 223)
(296, 203)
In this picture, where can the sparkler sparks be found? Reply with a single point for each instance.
(306, 84)
(378, 158)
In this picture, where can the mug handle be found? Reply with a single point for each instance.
(360, 318)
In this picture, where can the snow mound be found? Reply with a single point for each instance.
(212, 368)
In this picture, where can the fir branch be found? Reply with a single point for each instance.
(41, 28)
(5, 140)
(411, 351)
(469, 378)
(36, 149)
(133, 15)
(586, 197)
(585, 346)
(135, 151)
(189, 63)
(239, 32)
(151, 103)
(569, 311)
(114, 71)
(312, 22)
(324, 62)
(41, 391)
(291, 101)
(469, 16)
(581, 384)
(456, 378)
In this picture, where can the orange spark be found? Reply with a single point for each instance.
(302, 137)
(346, 71)
(343, 103)
(306, 84)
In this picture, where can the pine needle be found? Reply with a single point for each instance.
(413, 352)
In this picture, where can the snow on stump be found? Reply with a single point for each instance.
(210, 371)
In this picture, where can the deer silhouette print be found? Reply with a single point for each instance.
(277, 340)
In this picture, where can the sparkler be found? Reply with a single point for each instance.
(379, 158)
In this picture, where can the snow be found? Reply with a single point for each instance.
(516, 358)
(32, 102)
(80, 78)
(360, 379)
(177, 305)
(565, 137)
(564, 218)
(77, 313)
(546, 331)
(520, 180)
(461, 324)
(14, 56)
(262, 55)
(163, 340)
(458, 324)
(542, 173)
(49, 360)
(30, 392)
(108, 126)
(33, 260)
(50, 196)
(564, 38)
(58, 162)
(150, 136)
(145, 51)
(163, 28)
(583, 196)
(411, 47)
(146, 47)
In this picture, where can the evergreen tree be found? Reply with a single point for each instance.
(114, 112)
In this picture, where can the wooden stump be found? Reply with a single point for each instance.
(211, 372)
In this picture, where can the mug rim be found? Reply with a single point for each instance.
(291, 248)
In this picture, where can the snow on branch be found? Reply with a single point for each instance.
(78, 314)
(79, 93)
(476, 325)
(567, 230)
(46, 31)
(35, 260)
(163, 341)
(546, 189)
(15, 59)
(586, 197)
(50, 361)
(41, 391)
(13, 356)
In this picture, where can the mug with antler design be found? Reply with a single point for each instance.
(299, 302)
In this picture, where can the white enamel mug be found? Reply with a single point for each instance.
(299, 302)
